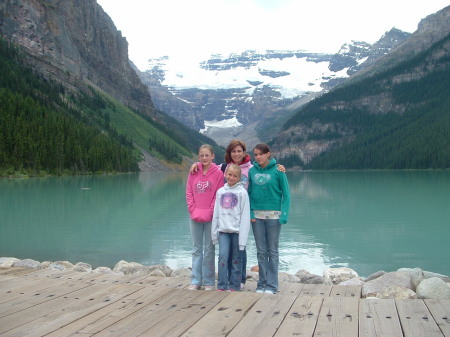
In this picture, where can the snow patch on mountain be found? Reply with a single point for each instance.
(223, 124)
(290, 76)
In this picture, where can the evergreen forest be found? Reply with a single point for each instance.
(417, 137)
(47, 130)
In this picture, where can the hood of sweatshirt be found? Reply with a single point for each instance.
(229, 188)
(244, 161)
(272, 163)
(245, 165)
(212, 168)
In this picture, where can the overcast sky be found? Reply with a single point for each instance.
(198, 28)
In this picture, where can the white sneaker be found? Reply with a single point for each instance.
(259, 291)
(269, 292)
(242, 286)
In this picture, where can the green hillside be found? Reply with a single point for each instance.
(414, 134)
(45, 129)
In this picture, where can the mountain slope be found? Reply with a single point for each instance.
(76, 48)
(75, 41)
(230, 93)
(44, 131)
(397, 118)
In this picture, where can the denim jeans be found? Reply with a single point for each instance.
(267, 237)
(229, 246)
(243, 258)
(203, 254)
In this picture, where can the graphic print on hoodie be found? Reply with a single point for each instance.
(201, 193)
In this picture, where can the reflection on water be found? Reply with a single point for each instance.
(368, 221)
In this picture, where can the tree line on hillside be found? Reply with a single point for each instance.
(35, 139)
(418, 138)
(44, 130)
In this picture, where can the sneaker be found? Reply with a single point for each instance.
(259, 291)
(242, 286)
(209, 287)
(193, 287)
(269, 292)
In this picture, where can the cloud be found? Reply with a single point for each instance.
(167, 27)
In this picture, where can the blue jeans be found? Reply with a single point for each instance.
(203, 254)
(229, 246)
(243, 258)
(267, 237)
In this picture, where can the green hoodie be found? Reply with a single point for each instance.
(268, 190)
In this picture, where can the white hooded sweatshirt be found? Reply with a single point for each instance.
(231, 213)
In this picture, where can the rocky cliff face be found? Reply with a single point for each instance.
(72, 41)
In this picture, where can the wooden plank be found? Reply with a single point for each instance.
(72, 311)
(250, 286)
(92, 320)
(302, 318)
(185, 316)
(338, 317)
(346, 291)
(20, 280)
(440, 309)
(264, 318)
(174, 282)
(378, 318)
(221, 319)
(137, 323)
(13, 272)
(293, 289)
(24, 288)
(416, 320)
(30, 298)
(62, 297)
(316, 290)
(108, 279)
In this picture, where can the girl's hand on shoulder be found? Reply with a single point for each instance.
(194, 168)
(281, 168)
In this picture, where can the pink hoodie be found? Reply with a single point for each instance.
(201, 193)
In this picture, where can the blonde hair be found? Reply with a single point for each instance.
(206, 146)
(235, 168)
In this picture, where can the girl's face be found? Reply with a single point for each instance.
(237, 155)
(261, 158)
(205, 157)
(232, 177)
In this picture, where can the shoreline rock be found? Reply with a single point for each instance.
(404, 283)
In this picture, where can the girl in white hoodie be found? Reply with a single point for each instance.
(230, 228)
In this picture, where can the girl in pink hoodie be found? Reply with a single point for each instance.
(201, 188)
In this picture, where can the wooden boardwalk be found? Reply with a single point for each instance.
(52, 303)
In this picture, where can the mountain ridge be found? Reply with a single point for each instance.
(253, 86)
(76, 46)
(392, 116)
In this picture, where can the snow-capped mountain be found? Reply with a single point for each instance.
(245, 88)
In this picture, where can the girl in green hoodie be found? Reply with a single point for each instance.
(269, 194)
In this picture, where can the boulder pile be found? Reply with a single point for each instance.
(404, 283)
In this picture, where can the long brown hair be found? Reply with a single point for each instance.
(264, 148)
(234, 143)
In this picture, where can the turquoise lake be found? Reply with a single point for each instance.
(365, 220)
